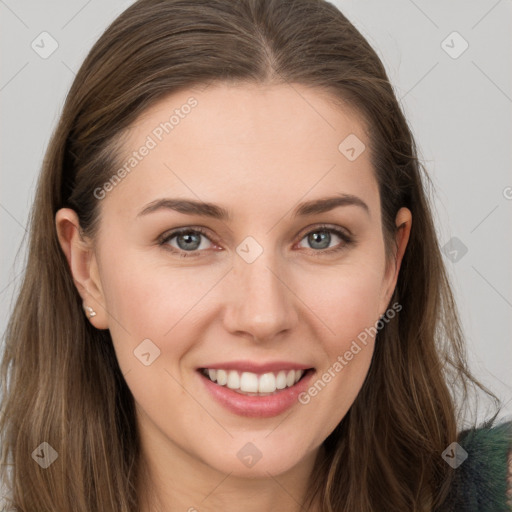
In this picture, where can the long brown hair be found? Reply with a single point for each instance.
(61, 382)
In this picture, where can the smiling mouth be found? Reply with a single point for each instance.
(254, 384)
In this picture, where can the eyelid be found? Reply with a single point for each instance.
(168, 235)
(327, 227)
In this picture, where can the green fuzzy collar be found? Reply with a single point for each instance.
(480, 482)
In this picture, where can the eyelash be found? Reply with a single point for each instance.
(166, 237)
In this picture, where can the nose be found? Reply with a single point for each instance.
(260, 300)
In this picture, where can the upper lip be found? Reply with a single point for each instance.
(253, 367)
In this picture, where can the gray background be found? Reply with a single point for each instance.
(458, 106)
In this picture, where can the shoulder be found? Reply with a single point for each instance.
(483, 477)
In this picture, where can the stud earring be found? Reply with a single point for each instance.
(89, 311)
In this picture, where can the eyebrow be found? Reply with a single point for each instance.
(193, 207)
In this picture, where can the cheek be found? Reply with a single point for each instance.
(347, 299)
(151, 323)
(148, 298)
(145, 301)
(349, 306)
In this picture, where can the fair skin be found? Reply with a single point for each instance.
(257, 151)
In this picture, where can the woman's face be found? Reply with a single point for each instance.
(281, 281)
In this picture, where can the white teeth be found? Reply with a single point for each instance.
(249, 382)
(281, 380)
(267, 383)
(222, 377)
(233, 380)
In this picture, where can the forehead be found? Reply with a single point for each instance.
(226, 142)
(249, 115)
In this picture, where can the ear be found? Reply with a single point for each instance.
(403, 222)
(82, 262)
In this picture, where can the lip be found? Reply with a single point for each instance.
(251, 366)
(258, 406)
